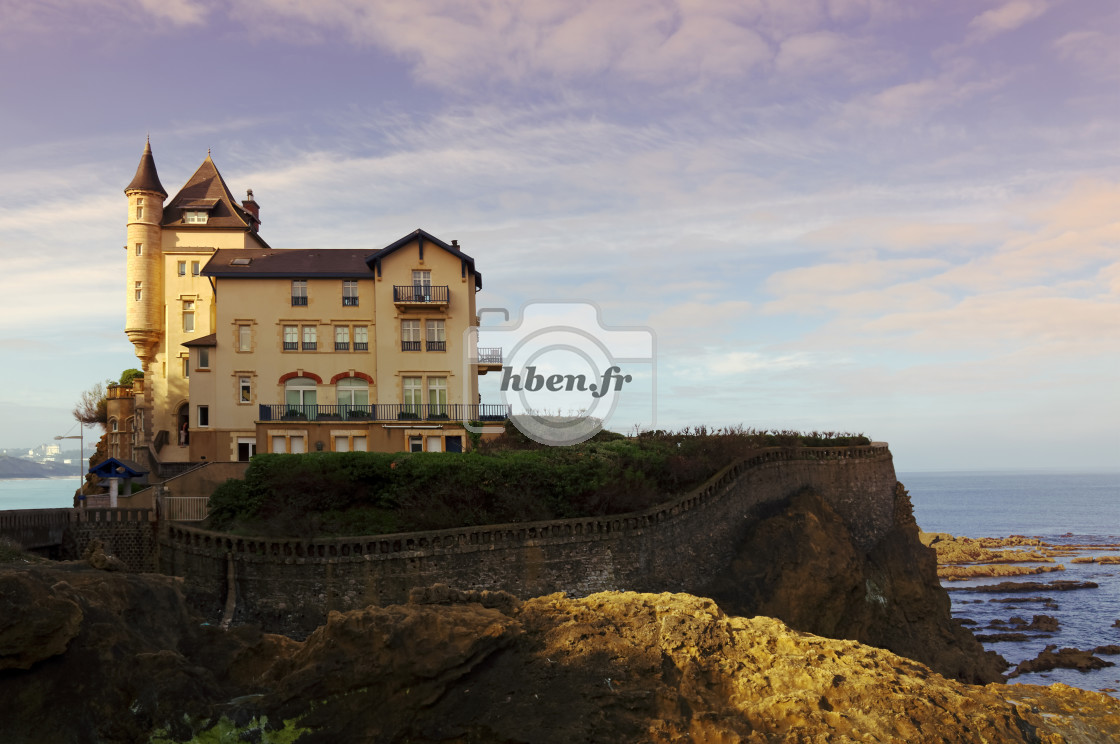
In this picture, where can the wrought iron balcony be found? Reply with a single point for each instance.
(437, 346)
(381, 412)
(349, 301)
(489, 359)
(426, 295)
(299, 300)
(410, 346)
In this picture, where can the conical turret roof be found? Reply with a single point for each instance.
(146, 178)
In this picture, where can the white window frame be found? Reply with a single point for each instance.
(349, 293)
(244, 390)
(342, 338)
(410, 334)
(412, 393)
(244, 337)
(437, 395)
(188, 316)
(310, 338)
(290, 335)
(436, 335)
(299, 291)
(361, 336)
(182, 268)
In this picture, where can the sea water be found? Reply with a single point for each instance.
(37, 493)
(1060, 508)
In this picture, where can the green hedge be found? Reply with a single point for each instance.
(376, 492)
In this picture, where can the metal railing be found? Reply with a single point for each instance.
(437, 346)
(381, 412)
(490, 355)
(184, 508)
(421, 293)
(410, 346)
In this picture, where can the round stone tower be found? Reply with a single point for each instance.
(144, 316)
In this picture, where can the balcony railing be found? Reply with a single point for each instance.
(380, 412)
(490, 355)
(437, 346)
(410, 346)
(299, 300)
(342, 346)
(310, 345)
(291, 346)
(349, 301)
(361, 346)
(434, 294)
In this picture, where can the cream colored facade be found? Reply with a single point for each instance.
(260, 350)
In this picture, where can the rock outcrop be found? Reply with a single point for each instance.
(611, 667)
(798, 563)
(1069, 658)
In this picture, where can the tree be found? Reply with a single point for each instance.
(92, 407)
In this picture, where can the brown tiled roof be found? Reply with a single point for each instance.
(146, 178)
(294, 263)
(210, 340)
(206, 190)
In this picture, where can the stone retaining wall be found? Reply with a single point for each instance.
(291, 584)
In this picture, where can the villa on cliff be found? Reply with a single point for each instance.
(247, 348)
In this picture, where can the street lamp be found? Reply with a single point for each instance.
(81, 457)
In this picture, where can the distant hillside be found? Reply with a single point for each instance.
(16, 467)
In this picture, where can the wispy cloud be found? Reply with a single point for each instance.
(1007, 17)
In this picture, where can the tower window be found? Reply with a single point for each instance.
(139, 249)
(194, 268)
(182, 267)
(139, 208)
(139, 290)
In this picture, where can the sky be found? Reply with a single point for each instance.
(894, 218)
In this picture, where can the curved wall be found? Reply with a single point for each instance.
(289, 584)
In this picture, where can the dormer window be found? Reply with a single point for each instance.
(195, 216)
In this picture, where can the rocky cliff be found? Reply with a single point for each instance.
(92, 656)
(799, 563)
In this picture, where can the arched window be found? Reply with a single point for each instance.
(353, 397)
(113, 425)
(299, 395)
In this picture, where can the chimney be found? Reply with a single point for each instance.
(250, 205)
(455, 244)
